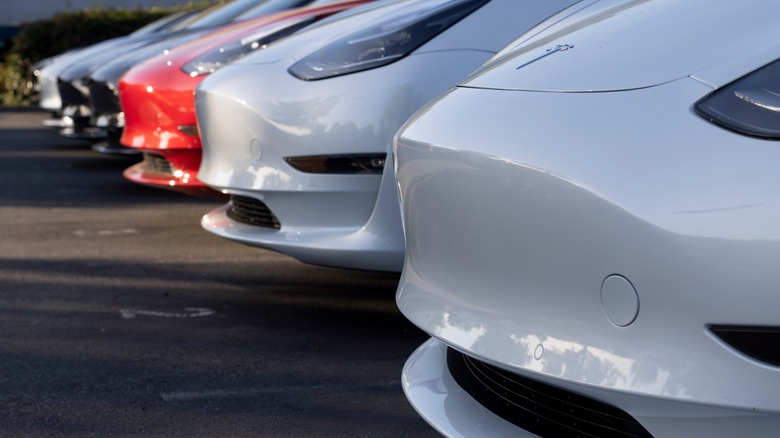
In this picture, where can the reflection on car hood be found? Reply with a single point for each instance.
(675, 40)
(92, 59)
(112, 70)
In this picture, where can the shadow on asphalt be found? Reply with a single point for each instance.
(118, 321)
(297, 349)
(47, 176)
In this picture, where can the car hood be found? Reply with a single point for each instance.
(319, 34)
(466, 34)
(112, 70)
(93, 57)
(249, 29)
(676, 39)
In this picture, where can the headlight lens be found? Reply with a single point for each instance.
(210, 62)
(385, 42)
(749, 105)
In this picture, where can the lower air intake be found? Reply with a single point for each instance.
(158, 164)
(250, 211)
(537, 407)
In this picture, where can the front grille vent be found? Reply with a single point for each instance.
(158, 164)
(250, 211)
(537, 407)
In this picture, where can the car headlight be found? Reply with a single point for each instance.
(210, 62)
(750, 105)
(385, 42)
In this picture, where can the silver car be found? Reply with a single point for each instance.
(299, 133)
(592, 229)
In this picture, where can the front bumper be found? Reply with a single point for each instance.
(170, 169)
(158, 106)
(77, 111)
(597, 255)
(435, 394)
(249, 127)
(158, 102)
(49, 94)
(340, 236)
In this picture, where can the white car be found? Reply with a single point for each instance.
(47, 70)
(299, 133)
(592, 225)
(65, 85)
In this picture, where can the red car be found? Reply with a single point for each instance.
(157, 97)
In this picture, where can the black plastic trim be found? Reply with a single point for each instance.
(537, 407)
(759, 342)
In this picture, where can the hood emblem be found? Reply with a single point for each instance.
(554, 49)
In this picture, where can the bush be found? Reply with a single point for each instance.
(15, 82)
(64, 31)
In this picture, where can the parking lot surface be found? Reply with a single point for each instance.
(120, 316)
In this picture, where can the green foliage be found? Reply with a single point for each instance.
(67, 30)
(44, 38)
(14, 86)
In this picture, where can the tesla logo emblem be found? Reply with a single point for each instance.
(554, 49)
(559, 48)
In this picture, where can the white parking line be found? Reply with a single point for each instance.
(183, 396)
(100, 233)
(189, 312)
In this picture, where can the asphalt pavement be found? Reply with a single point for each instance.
(120, 316)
